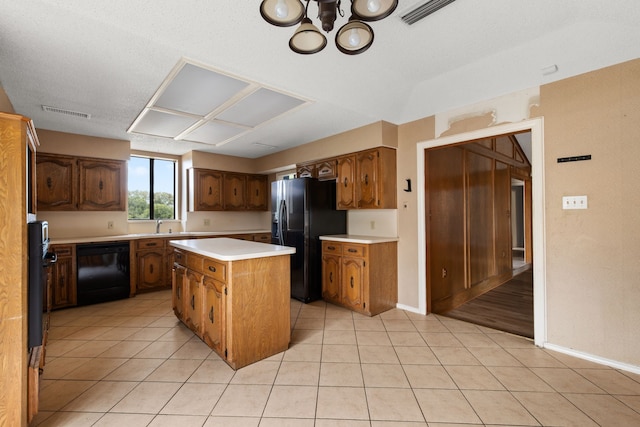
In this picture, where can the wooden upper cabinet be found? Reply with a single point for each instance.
(367, 180)
(306, 170)
(207, 190)
(327, 169)
(257, 194)
(103, 185)
(235, 185)
(68, 183)
(213, 190)
(345, 186)
(56, 181)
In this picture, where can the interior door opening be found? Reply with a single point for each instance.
(479, 249)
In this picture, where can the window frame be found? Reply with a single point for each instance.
(176, 195)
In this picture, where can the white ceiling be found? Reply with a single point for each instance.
(109, 58)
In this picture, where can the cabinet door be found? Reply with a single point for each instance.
(56, 183)
(306, 171)
(345, 186)
(151, 274)
(367, 190)
(193, 306)
(235, 185)
(63, 284)
(352, 283)
(102, 185)
(177, 293)
(207, 188)
(326, 169)
(331, 278)
(213, 329)
(257, 192)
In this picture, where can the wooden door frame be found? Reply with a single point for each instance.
(536, 127)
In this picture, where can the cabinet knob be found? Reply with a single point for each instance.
(101, 185)
(345, 182)
(49, 183)
(366, 179)
(352, 251)
(331, 277)
(235, 191)
(193, 302)
(211, 315)
(331, 248)
(151, 268)
(351, 282)
(212, 269)
(210, 191)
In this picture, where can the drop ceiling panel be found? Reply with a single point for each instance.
(214, 133)
(158, 123)
(199, 91)
(259, 107)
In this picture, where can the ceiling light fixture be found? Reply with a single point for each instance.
(352, 38)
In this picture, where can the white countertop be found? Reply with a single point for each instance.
(353, 238)
(226, 249)
(179, 235)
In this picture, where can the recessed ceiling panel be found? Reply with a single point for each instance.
(214, 133)
(199, 91)
(259, 107)
(158, 123)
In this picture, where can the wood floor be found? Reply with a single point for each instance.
(509, 307)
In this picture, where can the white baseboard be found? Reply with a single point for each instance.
(591, 358)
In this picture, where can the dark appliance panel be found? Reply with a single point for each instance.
(39, 259)
(103, 272)
(304, 209)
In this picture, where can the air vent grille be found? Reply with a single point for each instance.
(424, 10)
(66, 112)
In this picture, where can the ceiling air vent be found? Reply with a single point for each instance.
(416, 14)
(66, 112)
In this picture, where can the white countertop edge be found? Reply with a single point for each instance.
(227, 249)
(137, 236)
(352, 238)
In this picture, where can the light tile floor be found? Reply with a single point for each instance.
(132, 363)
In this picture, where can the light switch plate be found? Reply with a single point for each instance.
(574, 202)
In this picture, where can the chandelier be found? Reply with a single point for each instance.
(352, 38)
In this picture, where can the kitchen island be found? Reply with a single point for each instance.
(234, 295)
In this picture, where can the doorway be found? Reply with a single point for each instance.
(535, 126)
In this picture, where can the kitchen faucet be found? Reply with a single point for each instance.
(158, 222)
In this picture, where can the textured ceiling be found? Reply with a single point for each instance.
(109, 58)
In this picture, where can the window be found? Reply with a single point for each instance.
(152, 176)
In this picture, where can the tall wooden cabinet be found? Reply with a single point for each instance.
(20, 368)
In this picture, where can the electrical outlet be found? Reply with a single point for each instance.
(373, 225)
(110, 225)
(207, 222)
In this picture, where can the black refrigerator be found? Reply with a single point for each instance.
(302, 210)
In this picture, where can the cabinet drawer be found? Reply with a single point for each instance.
(150, 244)
(329, 247)
(194, 262)
(264, 238)
(353, 250)
(63, 251)
(215, 269)
(179, 257)
(327, 169)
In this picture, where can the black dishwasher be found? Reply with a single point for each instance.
(103, 272)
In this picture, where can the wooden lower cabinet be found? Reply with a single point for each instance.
(361, 277)
(240, 309)
(61, 286)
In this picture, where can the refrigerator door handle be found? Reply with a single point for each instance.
(281, 221)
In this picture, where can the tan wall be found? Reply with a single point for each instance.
(373, 135)
(409, 135)
(593, 255)
(5, 103)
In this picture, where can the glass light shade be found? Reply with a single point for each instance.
(307, 39)
(282, 13)
(373, 10)
(354, 37)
